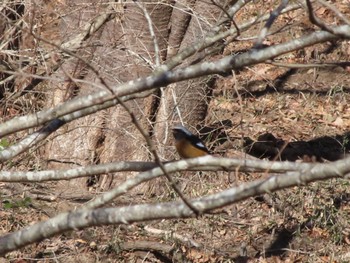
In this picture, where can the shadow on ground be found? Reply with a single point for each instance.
(325, 148)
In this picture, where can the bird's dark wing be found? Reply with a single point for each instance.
(198, 143)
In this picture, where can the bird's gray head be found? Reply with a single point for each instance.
(180, 131)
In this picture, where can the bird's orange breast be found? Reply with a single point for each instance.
(187, 150)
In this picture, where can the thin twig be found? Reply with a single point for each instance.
(311, 65)
(336, 11)
(229, 16)
(273, 16)
(318, 22)
(151, 31)
(177, 106)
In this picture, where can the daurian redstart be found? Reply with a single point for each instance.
(187, 144)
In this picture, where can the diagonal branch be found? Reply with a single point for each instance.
(73, 44)
(140, 213)
(336, 11)
(318, 22)
(202, 162)
(30, 140)
(273, 16)
(97, 100)
(77, 107)
(100, 100)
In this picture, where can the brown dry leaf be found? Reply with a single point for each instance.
(194, 254)
(317, 232)
(347, 240)
(198, 256)
(327, 259)
(225, 105)
(262, 260)
(321, 11)
(338, 122)
(223, 232)
(80, 241)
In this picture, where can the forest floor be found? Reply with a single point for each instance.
(304, 109)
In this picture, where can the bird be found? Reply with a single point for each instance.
(187, 144)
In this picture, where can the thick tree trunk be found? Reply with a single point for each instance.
(128, 52)
(123, 49)
(188, 101)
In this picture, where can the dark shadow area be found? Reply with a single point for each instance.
(321, 218)
(341, 199)
(240, 259)
(162, 258)
(325, 148)
(284, 237)
(325, 217)
(215, 133)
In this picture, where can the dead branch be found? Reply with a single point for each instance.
(97, 100)
(71, 113)
(318, 22)
(336, 11)
(273, 16)
(140, 213)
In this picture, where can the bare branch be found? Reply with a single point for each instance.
(336, 11)
(318, 22)
(101, 99)
(206, 163)
(229, 16)
(56, 175)
(273, 16)
(151, 31)
(140, 213)
(220, 163)
(31, 140)
(42, 117)
(73, 44)
(309, 65)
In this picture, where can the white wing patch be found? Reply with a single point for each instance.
(201, 145)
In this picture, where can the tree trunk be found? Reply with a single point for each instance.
(188, 101)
